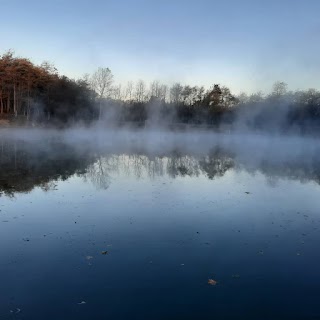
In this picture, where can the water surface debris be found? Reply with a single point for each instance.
(17, 311)
(212, 282)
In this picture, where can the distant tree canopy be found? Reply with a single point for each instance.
(40, 94)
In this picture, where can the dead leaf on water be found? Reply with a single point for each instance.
(212, 282)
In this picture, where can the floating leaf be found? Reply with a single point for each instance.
(212, 282)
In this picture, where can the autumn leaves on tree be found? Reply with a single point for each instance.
(27, 89)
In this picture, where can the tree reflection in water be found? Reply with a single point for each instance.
(25, 165)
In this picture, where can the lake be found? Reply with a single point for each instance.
(158, 225)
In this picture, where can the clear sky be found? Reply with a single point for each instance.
(244, 44)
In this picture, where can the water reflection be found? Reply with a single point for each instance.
(25, 164)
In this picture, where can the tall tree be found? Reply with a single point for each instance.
(279, 88)
(176, 92)
(140, 92)
(101, 82)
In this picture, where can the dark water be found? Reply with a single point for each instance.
(243, 212)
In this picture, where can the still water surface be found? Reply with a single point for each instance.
(104, 233)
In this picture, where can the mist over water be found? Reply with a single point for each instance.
(38, 156)
(284, 155)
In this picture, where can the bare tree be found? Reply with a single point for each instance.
(117, 92)
(129, 91)
(176, 93)
(279, 88)
(101, 82)
(155, 89)
(163, 92)
(140, 91)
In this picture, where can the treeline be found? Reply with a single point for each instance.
(40, 94)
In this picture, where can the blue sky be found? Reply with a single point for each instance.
(244, 44)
